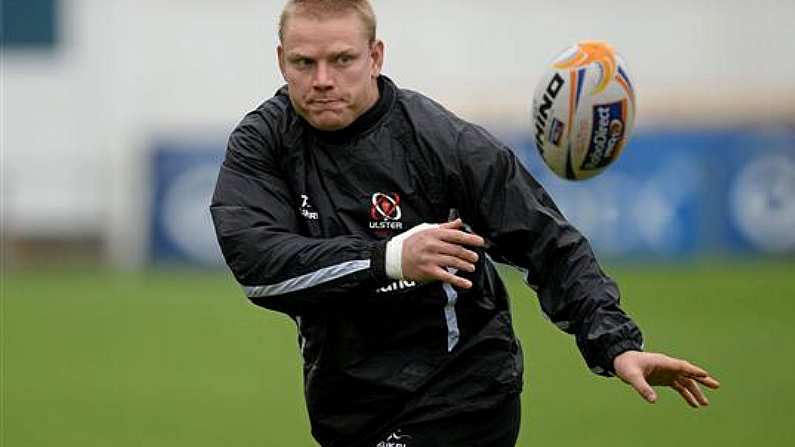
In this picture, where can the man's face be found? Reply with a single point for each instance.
(330, 67)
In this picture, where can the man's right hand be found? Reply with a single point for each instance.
(436, 253)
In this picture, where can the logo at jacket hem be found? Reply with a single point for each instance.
(395, 439)
(385, 213)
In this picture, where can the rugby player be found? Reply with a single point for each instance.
(374, 217)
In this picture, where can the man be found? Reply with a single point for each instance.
(373, 217)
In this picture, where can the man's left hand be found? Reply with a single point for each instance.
(642, 370)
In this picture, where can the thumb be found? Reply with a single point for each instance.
(452, 225)
(643, 388)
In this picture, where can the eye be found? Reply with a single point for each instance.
(344, 59)
(302, 62)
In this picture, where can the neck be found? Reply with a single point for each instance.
(379, 100)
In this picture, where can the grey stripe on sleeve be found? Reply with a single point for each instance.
(308, 280)
(450, 316)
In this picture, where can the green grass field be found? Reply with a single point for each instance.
(179, 358)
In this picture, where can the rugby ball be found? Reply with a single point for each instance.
(583, 110)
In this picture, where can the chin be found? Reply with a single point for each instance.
(330, 124)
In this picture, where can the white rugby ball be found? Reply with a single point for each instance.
(583, 110)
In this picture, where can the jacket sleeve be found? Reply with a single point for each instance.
(256, 219)
(524, 228)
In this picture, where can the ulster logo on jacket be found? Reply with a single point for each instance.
(385, 213)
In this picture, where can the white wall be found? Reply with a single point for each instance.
(713, 50)
(77, 121)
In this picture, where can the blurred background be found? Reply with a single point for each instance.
(121, 325)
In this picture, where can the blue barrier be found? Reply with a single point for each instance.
(183, 176)
(683, 192)
(672, 193)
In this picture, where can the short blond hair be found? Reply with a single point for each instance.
(325, 8)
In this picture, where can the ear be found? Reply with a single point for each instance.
(377, 57)
(280, 58)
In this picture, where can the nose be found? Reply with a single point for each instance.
(323, 79)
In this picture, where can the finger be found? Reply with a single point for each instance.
(456, 263)
(701, 375)
(450, 278)
(638, 382)
(453, 224)
(461, 238)
(457, 251)
(686, 395)
(692, 370)
(708, 381)
(695, 390)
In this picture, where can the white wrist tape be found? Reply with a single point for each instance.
(394, 251)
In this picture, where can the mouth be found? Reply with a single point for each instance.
(325, 102)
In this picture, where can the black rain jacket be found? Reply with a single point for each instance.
(303, 217)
